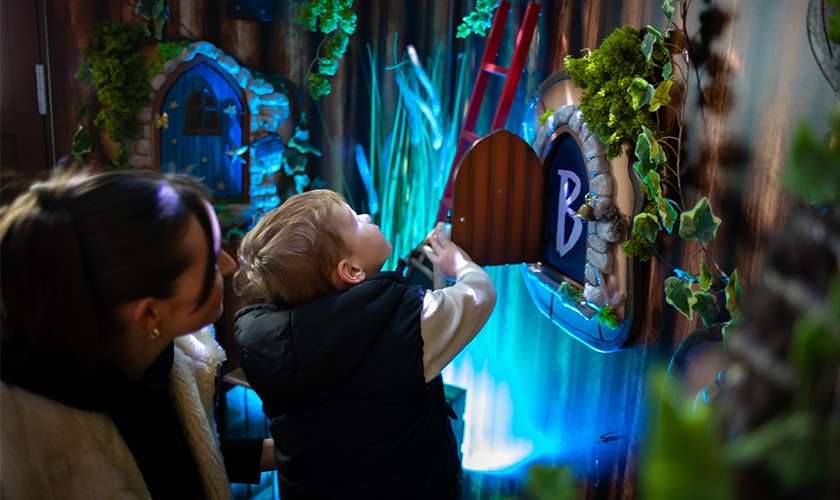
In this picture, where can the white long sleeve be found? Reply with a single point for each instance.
(452, 316)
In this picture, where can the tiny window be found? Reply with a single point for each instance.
(202, 117)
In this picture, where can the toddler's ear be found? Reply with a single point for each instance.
(349, 273)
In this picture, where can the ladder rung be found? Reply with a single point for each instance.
(467, 135)
(496, 70)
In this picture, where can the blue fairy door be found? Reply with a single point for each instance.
(204, 138)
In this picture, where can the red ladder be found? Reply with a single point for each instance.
(488, 67)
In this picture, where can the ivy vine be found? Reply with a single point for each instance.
(335, 19)
(479, 20)
(154, 12)
(628, 84)
(113, 64)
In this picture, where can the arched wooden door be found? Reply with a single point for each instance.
(207, 129)
(497, 210)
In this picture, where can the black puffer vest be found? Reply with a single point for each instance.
(341, 380)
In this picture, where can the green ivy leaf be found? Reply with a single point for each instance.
(648, 152)
(647, 45)
(646, 225)
(81, 143)
(678, 293)
(733, 295)
(652, 38)
(667, 70)
(327, 66)
(83, 74)
(159, 24)
(730, 326)
(640, 92)
(667, 213)
(662, 95)
(705, 276)
(705, 306)
(643, 165)
(295, 162)
(479, 20)
(699, 223)
(318, 85)
(667, 7)
(657, 154)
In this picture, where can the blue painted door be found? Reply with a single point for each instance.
(205, 134)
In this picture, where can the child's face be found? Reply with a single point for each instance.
(368, 247)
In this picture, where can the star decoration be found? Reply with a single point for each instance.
(236, 154)
(203, 159)
(173, 105)
(231, 110)
(221, 186)
(174, 141)
(161, 121)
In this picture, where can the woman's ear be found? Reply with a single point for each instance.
(140, 314)
(349, 272)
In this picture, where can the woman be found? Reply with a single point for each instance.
(104, 392)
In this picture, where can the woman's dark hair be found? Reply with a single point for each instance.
(78, 245)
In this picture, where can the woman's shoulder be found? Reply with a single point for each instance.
(51, 449)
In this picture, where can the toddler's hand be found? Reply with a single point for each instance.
(447, 256)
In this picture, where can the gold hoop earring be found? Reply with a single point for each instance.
(155, 334)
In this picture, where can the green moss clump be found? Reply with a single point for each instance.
(570, 293)
(121, 78)
(605, 75)
(608, 317)
(170, 50)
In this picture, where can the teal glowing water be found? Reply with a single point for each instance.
(534, 393)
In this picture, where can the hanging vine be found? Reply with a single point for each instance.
(628, 84)
(336, 20)
(113, 64)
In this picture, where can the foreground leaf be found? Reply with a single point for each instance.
(683, 458)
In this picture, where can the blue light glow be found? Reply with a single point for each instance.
(536, 394)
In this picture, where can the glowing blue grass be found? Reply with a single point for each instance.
(411, 148)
